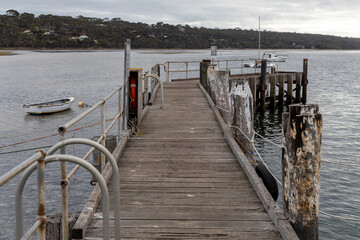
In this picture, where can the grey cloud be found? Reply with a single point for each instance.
(314, 16)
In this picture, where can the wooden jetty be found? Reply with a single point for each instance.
(180, 178)
(177, 171)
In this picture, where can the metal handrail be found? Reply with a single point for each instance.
(19, 168)
(65, 126)
(161, 85)
(187, 70)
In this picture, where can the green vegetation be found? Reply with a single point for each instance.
(25, 30)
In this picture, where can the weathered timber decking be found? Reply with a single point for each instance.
(180, 180)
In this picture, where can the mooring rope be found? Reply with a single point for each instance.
(26, 149)
(134, 129)
(268, 140)
(252, 138)
(257, 152)
(248, 152)
(272, 174)
(52, 135)
(222, 109)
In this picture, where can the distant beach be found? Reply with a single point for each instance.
(6, 53)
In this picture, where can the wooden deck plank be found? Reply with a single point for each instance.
(180, 180)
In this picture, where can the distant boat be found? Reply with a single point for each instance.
(257, 64)
(49, 107)
(273, 57)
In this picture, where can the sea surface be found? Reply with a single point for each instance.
(34, 76)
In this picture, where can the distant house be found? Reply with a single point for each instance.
(49, 32)
(28, 32)
(82, 37)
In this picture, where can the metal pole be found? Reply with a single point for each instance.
(168, 72)
(259, 39)
(263, 83)
(102, 159)
(119, 112)
(41, 198)
(126, 76)
(63, 183)
(304, 81)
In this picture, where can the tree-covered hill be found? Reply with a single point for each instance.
(25, 30)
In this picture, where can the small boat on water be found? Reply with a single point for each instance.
(49, 107)
(273, 57)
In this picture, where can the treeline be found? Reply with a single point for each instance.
(25, 30)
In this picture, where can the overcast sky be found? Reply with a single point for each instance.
(334, 17)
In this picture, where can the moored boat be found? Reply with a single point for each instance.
(49, 107)
(273, 57)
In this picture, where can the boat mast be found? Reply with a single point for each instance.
(259, 37)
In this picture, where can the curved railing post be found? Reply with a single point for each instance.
(31, 169)
(161, 85)
(166, 69)
(113, 164)
(63, 158)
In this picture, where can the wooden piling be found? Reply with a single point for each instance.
(289, 83)
(301, 158)
(54, 226)
(281, 91)
(242, 115)
(110, 144)
(298, 88)
(221, 94)
(304, 81)
(263, 83)
(204, 65)
(272, 92)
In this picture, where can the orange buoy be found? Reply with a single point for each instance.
(133, 104)
(81, 104)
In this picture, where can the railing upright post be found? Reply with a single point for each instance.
(125, 87)
(119, 112)
(187, 69)
(168, 72)
(41, 198)
(64, 183)
(102, 159)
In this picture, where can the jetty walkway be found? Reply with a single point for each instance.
(179, 178)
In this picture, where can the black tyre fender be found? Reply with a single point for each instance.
(268, 180)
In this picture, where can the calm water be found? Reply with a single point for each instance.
(90, 75)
